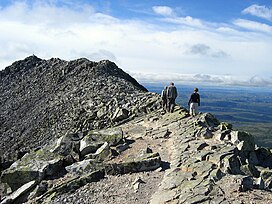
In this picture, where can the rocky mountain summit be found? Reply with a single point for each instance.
(44, 99)
(87, 132)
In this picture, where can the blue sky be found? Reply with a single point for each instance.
(211, 41)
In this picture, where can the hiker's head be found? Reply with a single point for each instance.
(172, 83)
(195, 89)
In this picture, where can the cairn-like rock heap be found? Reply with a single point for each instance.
(90, 129)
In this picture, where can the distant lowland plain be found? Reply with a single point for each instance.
(246, 108)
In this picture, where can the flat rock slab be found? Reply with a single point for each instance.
(33, 166)
(145, 162)
(96, 138)
(20, 191)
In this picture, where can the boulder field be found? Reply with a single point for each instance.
(91, 134)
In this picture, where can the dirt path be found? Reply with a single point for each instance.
(142, 135)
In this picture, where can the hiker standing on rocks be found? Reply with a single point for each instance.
(164, 98)
(171, 97)
(194, 102)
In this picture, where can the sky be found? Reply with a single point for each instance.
(186, 41)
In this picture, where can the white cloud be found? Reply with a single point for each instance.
(253, 25)
(178, 45)
(205, 50)
(205, 79)
(44, 13)
(170, 16)
(163, 10)
(259, 11)
(188, 20)
(96, 56)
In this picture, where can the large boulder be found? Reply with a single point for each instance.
(208, 120)
(120, 114)
(96, 138)
(264, 157)
(33, 166)
(101, 154)
(83, 167)
(67, 144)
(239, 136)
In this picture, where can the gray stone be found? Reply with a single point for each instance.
(216, 174)
(259, 183)
(202, 146)
(264, 157)
(101, 154)
(219, 154)
(246, 146)
(95, 139)
(266, 175)
(203, 155)
(165, 197)
(175, 178)
(135, 131)
(198, 199)
(120, 114)
(246, 183)
(231, 164)
(42, 188)
(19, 192)
(248, 139)
(251, 170)
(222, 135)
(121, 147)
(206, 134)
(235, 183)
(64, 145)
(71, 185)
(83, 167)
(33, 166)
(102, 112)
(252, 158)
(208, 120)
(225, 126)
(147, 162)
(158, 133)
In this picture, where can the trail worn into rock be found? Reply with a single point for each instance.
(143, 134)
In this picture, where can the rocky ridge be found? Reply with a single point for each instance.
(42, 100)
(144, 156)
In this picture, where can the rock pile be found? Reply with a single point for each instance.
(80, 160)
(211, 163)
(42, 100)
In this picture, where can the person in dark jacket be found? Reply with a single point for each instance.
(194, 102)
(171, 97)
(164, 98)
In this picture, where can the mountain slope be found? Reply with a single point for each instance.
(44, 99)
